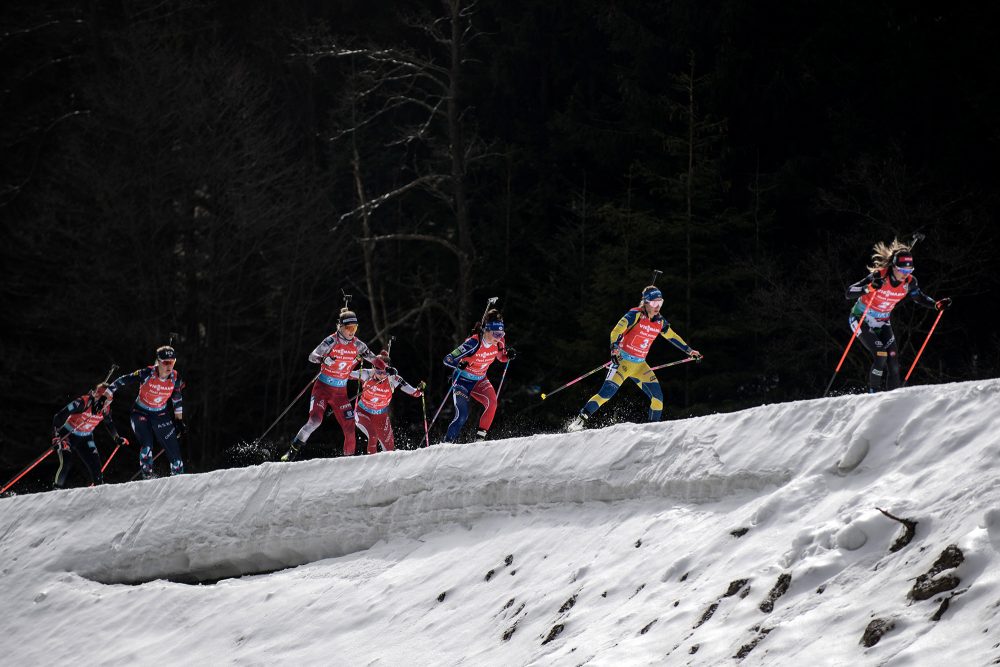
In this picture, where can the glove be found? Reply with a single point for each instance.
(463, 364)
(121, 441)
(943, 303)
(391, 370)
(696, 355)
(57, 441)
(876, 283)
(510, 352)
(181, 427)
(616, 354)
(418, 393)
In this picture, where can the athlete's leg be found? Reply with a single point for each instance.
(86, 449)
(484, 394)
(363, 422)
(343, 411)
(64, 453)
(892, 380)
(616, 375)
(144, 434)
(460, 396)
(166, 433)
(872, 341)
(388, 439)
(646, 379)
(379, 426)
(317, 409)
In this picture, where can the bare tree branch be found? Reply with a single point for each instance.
(373, 204)
(416, 237)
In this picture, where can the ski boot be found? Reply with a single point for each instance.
(480, 435)
(578, 424)
(292, 452)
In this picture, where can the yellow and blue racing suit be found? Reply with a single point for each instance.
(630, 342)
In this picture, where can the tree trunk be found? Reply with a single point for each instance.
(689, 222)
(467, 256)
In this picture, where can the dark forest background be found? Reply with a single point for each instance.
(224, 169)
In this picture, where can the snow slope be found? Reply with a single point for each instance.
(652, 544)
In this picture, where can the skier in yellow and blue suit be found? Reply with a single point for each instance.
(630, 342)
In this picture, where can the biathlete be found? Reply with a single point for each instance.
(73, 432)
(337, 356)
(150, 418)
(630, 342)
(471, 360)
(889, 282)
(372, 416)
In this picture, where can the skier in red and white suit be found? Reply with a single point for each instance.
(372, 417)
(337, 356)
(890, 282)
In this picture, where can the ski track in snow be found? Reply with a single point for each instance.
(617, 543)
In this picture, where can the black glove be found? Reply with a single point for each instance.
(463, 364)
(121, 441)
(616, 354)
(181, 428)
(877, 282)
(510, 352)
(943, 303)
(391, 370)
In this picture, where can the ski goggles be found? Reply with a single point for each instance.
(907, 270)
(655, 303)
(496, 334)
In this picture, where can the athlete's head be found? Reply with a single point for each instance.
(166, 357)
(347, 323)
(884, 257)
(380, 364)
(493, 329)
(652, 299)
(96, 393)
(902, 264)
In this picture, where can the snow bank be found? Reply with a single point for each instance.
(650, 530)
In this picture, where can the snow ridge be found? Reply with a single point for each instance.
(751, 538)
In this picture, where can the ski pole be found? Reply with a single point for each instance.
(672, 363)
(132, 478)
(113, 452)
(573, 382)
(27, 470)
(914, 365)
(502, 378)
(441, 407)
(297, 397)
(423, 406)
(854, 334)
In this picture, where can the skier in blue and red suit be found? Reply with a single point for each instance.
(150, 418)
(890, 282)
(471, 360)
(73, 432)
(630, 342)
(337, 356)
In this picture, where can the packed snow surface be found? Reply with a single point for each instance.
(748, 538)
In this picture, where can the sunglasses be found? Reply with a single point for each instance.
(496, 334)
(167, 361)
(655, 303)
(904, 269)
